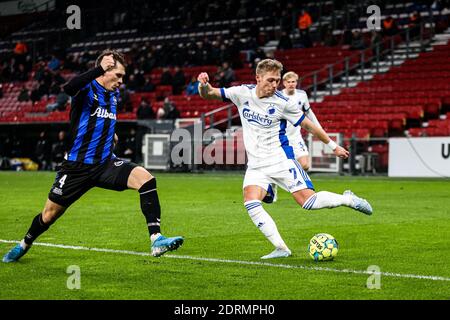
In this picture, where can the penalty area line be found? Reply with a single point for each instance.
(239, 262)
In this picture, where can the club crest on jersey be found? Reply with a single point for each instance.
(103, 113)
(254, 117)
(301, 106)
(271, 109)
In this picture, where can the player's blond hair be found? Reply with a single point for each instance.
(268, 65)
(290, 75)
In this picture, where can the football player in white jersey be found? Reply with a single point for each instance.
(264, 114)
(290, 81)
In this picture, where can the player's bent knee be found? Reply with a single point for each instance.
(138, 177)
(303, 196)
(254, 193)
(145, 174)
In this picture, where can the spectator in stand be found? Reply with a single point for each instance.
(241, 12)
(415, 21)
(140, 79)
(20, 73)
(166, 77)
(225, 75)
(328, 38)
(55, 89)
(47, 78)
(60, 104)
(20, 48)
(357, 41)
(35, 95)
(43, 89)
(149, 63)
(28, 63)
(1, 90)
(132, 83)
(148, 86)
(376, 39)
(224, 52)
(254, 30)
(235, 48)
(4, 74)
(168, 110)
(54, 63)
(201, 53)
(347, 36)
(437, 5)
(304, 22)
(215, 52)
(145, 110)
(17, 147)
(286, 19)
(257, 56)
(59, 149)
(70, 63)
(58, 78)
(192, 87)
(178, 81)
(42, 151)
(124, 100)
(390, 27)
(40, 69)
(20, 52)
(285, 42)
(24, 95)
(5, 151)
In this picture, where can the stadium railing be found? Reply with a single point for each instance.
(311, 83)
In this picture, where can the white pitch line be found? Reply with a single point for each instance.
(241, 262)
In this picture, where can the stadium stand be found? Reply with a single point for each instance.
(392, 99)
(399, 99)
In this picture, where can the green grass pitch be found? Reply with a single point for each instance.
(407, 237)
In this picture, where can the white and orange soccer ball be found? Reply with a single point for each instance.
(323, 247)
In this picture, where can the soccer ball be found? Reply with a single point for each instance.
(323, 247)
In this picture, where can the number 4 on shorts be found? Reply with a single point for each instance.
(62, 181)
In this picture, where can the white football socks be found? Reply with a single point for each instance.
(24, 245)
(154, 236)
(264, 222)
(325, 199)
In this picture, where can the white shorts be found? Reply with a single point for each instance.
(288, 174)
(300, 149)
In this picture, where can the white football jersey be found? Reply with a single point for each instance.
(264, 123)
(301, 99)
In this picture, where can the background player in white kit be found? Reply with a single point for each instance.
(290, 81)
(264, 113)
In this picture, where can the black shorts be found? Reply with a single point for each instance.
(74, 179)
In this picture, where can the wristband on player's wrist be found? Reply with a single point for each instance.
(332, 145)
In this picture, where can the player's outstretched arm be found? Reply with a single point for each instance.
(323, 136)
(77, 83)
(311, 116)
(205, 90)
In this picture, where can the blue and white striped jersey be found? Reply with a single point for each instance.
(92, 124)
